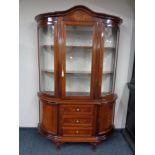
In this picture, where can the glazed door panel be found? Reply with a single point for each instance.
(47, 42)
(78, 60)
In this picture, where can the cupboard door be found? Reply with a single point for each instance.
(105, 117)
(48, 117)
(47, 58)
(79, 59)
(109, 44)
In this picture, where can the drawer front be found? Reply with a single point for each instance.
(77, 109)
(77, 131)
(77, 120)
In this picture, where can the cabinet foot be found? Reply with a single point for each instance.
(58, 145)
(94, 144)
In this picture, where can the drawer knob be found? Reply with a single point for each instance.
(77, 109)
(76, 131)
(77, 121)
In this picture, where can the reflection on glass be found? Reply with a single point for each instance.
(78, 60)
(46, 55)
(108, 60)
(47, 82)
(106, 83)
(46, 35)
(79, 36)
(110, 39)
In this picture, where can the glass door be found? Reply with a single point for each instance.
(78, 60)
(109, 60)
(46, 59)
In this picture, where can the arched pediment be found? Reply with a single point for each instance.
(79, 12)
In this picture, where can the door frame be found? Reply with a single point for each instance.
(94, 24)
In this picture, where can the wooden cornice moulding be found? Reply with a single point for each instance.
(78, 8)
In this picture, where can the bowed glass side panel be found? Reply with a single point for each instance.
(109, 60)
(46, 58)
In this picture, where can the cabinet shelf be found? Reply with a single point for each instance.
(78, 46)
(75, 72)
(47, 46)
(74, 93)
(111, 48)
(75, 46)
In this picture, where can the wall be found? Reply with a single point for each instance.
(29, 82)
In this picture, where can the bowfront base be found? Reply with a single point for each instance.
(59, 140)
(76, 120)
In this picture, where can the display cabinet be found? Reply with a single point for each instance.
(77, 67)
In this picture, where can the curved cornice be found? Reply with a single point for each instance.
(75, 8)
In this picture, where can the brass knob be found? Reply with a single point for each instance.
(77, 109)
(77, 121)
(76, 131)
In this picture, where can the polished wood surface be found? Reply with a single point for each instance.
(105, 116)
(86, 118)
(48, 112)
(76, 131)
(77, 109)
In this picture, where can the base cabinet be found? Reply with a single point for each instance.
(76, 121)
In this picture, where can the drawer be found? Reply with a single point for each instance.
(77, 109)
(76, 131)
(77, 120)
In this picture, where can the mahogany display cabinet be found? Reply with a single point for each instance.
(77, 67)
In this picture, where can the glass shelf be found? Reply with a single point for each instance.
(75, 72)
(77, 46)
(77, 93)
(47, 46)
(84, 29)
(110, 48)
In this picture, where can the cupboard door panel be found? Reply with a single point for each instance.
(48, 118)
(78, 59)
(105, 117)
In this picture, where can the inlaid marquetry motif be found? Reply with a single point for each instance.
(79, 16)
